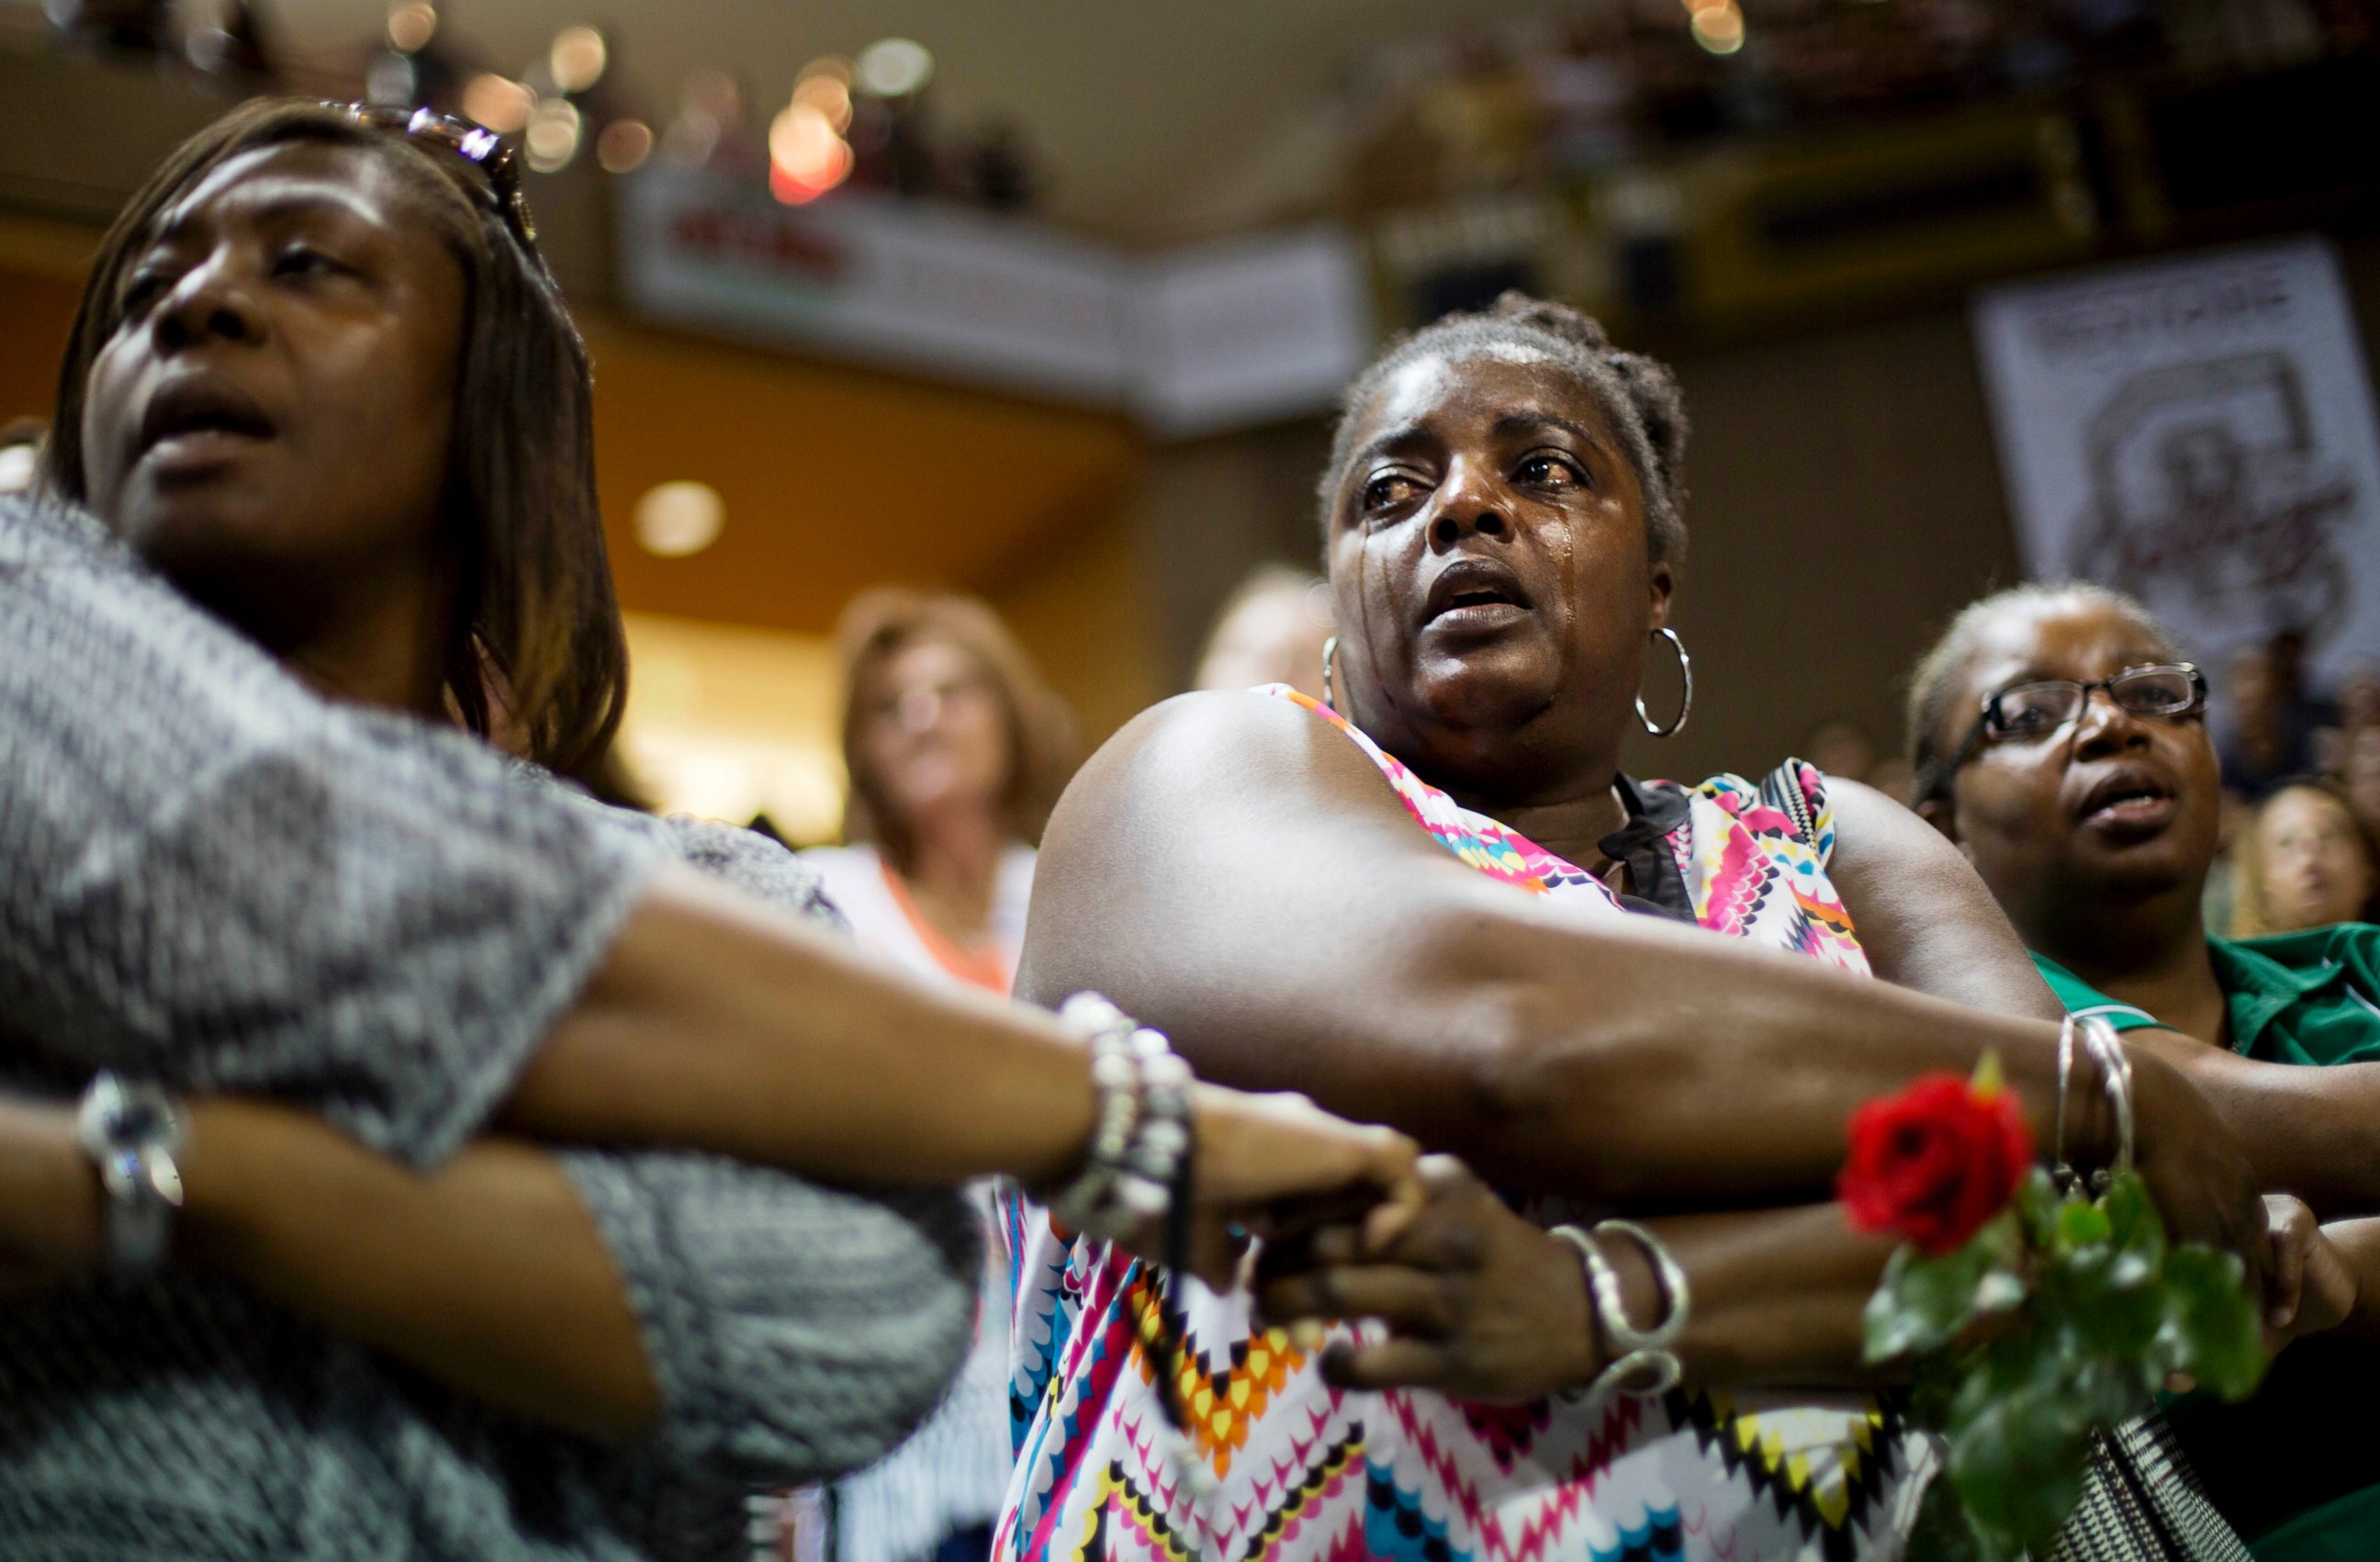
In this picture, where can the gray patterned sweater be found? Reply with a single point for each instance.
(210, 877)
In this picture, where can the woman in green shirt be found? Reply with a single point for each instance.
(2060, 740)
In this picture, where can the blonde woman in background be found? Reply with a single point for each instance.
(957, 751)
(1271, 630)
(2308, 860)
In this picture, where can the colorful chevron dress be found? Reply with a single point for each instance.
(1303, 1472)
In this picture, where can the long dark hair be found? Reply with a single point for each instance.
(536, 648)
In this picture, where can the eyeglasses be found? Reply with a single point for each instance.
(2167, 690)
(475, 144)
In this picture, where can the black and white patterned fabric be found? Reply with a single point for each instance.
(2142, 1503)
(212, 878)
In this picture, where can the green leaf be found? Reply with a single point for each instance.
(2038, 1205)
(2018, 1462)
(2132, 1217)
(1922, 1304)
(1999, 1291)
(2210, 1328)
(2108, 1301)
(2082, 1226)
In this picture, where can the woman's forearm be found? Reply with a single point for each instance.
(1777, 1296)
(711, 1026)
(1655, 1064)
(488, 1273)
(2312, 1132)
(2358, 1242)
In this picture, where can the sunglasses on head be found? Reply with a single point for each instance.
(495, 158)
(2167, 690)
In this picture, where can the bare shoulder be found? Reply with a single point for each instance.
(1217, 821)
(1222, 750)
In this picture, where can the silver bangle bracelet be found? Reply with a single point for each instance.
(2061, 1170)
(1642, 1365)
(2106, 1050)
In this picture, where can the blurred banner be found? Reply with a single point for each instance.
(2198, 432)
(1193, 342)
(896, 282)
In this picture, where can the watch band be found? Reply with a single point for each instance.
(132, 1132)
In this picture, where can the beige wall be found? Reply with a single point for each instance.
(1845, 498)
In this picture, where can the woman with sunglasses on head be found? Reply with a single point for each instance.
(363, 1291)
(2060, 740)
(1437, 902)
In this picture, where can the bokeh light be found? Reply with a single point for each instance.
(577, 59)
(1718, 28)
(674, 520)
(893, 67)
(829, 95)
(503, 105)
(802, 142)
(624, 145)
(411, 26)
(553, 139)
(807, 155)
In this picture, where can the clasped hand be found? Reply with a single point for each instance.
(1480, 1303)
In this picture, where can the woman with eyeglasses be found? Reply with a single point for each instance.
(445, 1186)
(2060, 741)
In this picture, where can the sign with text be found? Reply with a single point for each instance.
(2198, 432)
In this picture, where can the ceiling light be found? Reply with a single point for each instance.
(577, 59)
(893, 68)
(674, 520)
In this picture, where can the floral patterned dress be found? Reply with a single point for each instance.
(1303, 1472)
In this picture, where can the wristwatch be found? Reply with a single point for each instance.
(132, 1132)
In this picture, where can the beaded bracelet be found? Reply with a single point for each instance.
(1141, 1136)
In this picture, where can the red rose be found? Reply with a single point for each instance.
(1931, 1164)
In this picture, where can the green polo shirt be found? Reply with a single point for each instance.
(2302, 998)
(2295, 997)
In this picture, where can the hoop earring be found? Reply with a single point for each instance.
(1330, 657)
(1685, 673)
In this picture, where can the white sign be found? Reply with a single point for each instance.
(1192, 342)
(933, 289)
(1237, 333)
(2198, 432)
